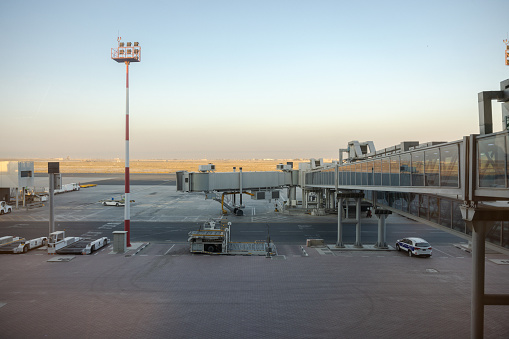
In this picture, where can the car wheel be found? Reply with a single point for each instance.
(9, 210)
(116, 204)
(1, 212)
(25, 249)
(104, 203)
(409, 253)
(398, 248)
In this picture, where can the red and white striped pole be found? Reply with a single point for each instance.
(127, 211)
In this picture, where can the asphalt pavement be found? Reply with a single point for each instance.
(163, 290)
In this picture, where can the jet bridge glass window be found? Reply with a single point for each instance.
(449, 166)
(458, 223)
(491, 161)
(377, 169)
(423, 206)
(358, 175)
(395, 170)
(432, 167)
(364, 171)
(405, 169)
(445, 213)
(417, 168)
(433, 209)
(386, 172)
(414, 204)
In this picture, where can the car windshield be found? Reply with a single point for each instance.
(422, 244)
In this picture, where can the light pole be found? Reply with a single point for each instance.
(127, 54)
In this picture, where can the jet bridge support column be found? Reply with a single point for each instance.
(343, 196)
(478, 219)
(339, 243)
(381, 215)
(358, 242)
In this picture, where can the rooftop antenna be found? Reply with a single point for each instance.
(127, 53)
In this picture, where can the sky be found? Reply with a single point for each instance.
(244, 79)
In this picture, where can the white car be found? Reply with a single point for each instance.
(113, 203)
(414, 246)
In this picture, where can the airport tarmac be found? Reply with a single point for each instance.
(165, 291)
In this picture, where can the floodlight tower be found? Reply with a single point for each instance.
(127, 54)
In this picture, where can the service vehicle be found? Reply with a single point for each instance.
(10, 244)
(113, 202)
(414, 246)
(213, 237)
(4, 208)
(58, 240)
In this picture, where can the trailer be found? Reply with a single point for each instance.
(84, 246)
(10, 244)
(213, 237)
(58, 240)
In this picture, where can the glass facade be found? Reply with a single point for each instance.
(443, 211)
(438, 166)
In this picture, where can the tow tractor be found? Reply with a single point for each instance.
(213, 237)
(10, 244)
(4, 208)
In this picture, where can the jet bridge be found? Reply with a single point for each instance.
(235, 181)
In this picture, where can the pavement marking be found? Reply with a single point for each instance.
(169, 249)
(435, 249)
(2, 304)
(500, 261)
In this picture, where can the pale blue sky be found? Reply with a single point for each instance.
(244, 79)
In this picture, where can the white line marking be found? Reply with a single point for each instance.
(434, 249)
(169, 249)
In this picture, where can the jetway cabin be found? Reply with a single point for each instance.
(15, 178)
